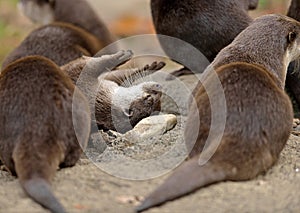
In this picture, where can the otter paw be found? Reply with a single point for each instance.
(114, 60)
(155, 66)
(123, 55)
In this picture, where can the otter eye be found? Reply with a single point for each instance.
(291, 37)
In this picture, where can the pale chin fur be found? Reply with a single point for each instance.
(36, 14)
(124, 96)
(290, 56)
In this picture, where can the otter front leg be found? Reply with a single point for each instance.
(95, 66)
(98, 65)
(131, 75)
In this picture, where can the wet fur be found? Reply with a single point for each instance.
(37, 131)
(253, 82)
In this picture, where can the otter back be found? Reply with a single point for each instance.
(37, 133)
(60, 42)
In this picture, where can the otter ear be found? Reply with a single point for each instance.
(292, 37)
(252, 4)
(50, 2)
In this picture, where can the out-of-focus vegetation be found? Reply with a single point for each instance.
(14, 26)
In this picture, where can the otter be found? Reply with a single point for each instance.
(119, 103)
(38, 125)
(127, 105)
(60, 42)
(207, 25)
(76, 12)
(252, 78)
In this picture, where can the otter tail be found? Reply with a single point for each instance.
(186, 179)
(39, 190)
(34, 175)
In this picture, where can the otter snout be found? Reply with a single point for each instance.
(152, 92)
(37, 11)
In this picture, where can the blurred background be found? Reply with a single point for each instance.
(124, 18)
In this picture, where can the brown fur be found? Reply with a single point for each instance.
(60, 42)
(145, 103)
(76, 12)
(192, 21)
(117, 106)
(62, 47)
(37, 131)
(229, 18)
(126, 105)
(259, 113)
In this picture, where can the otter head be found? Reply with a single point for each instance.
(132, 104)
(39, 11)
(271, 41)
(283, 37)
(248, 4)
(293, 44)
(252, 4)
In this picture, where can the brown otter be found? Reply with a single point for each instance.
(76, 12)
(209, 25)
(60, 42)
(258, 116)
(38, 125)
(119, 104)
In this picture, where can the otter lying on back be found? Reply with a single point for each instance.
(118, 107)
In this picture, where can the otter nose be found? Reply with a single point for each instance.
(146, 96)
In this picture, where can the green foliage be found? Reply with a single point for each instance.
(14, 2)
(263, 3)
(2, 29)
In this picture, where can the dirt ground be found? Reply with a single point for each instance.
(115, 180)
